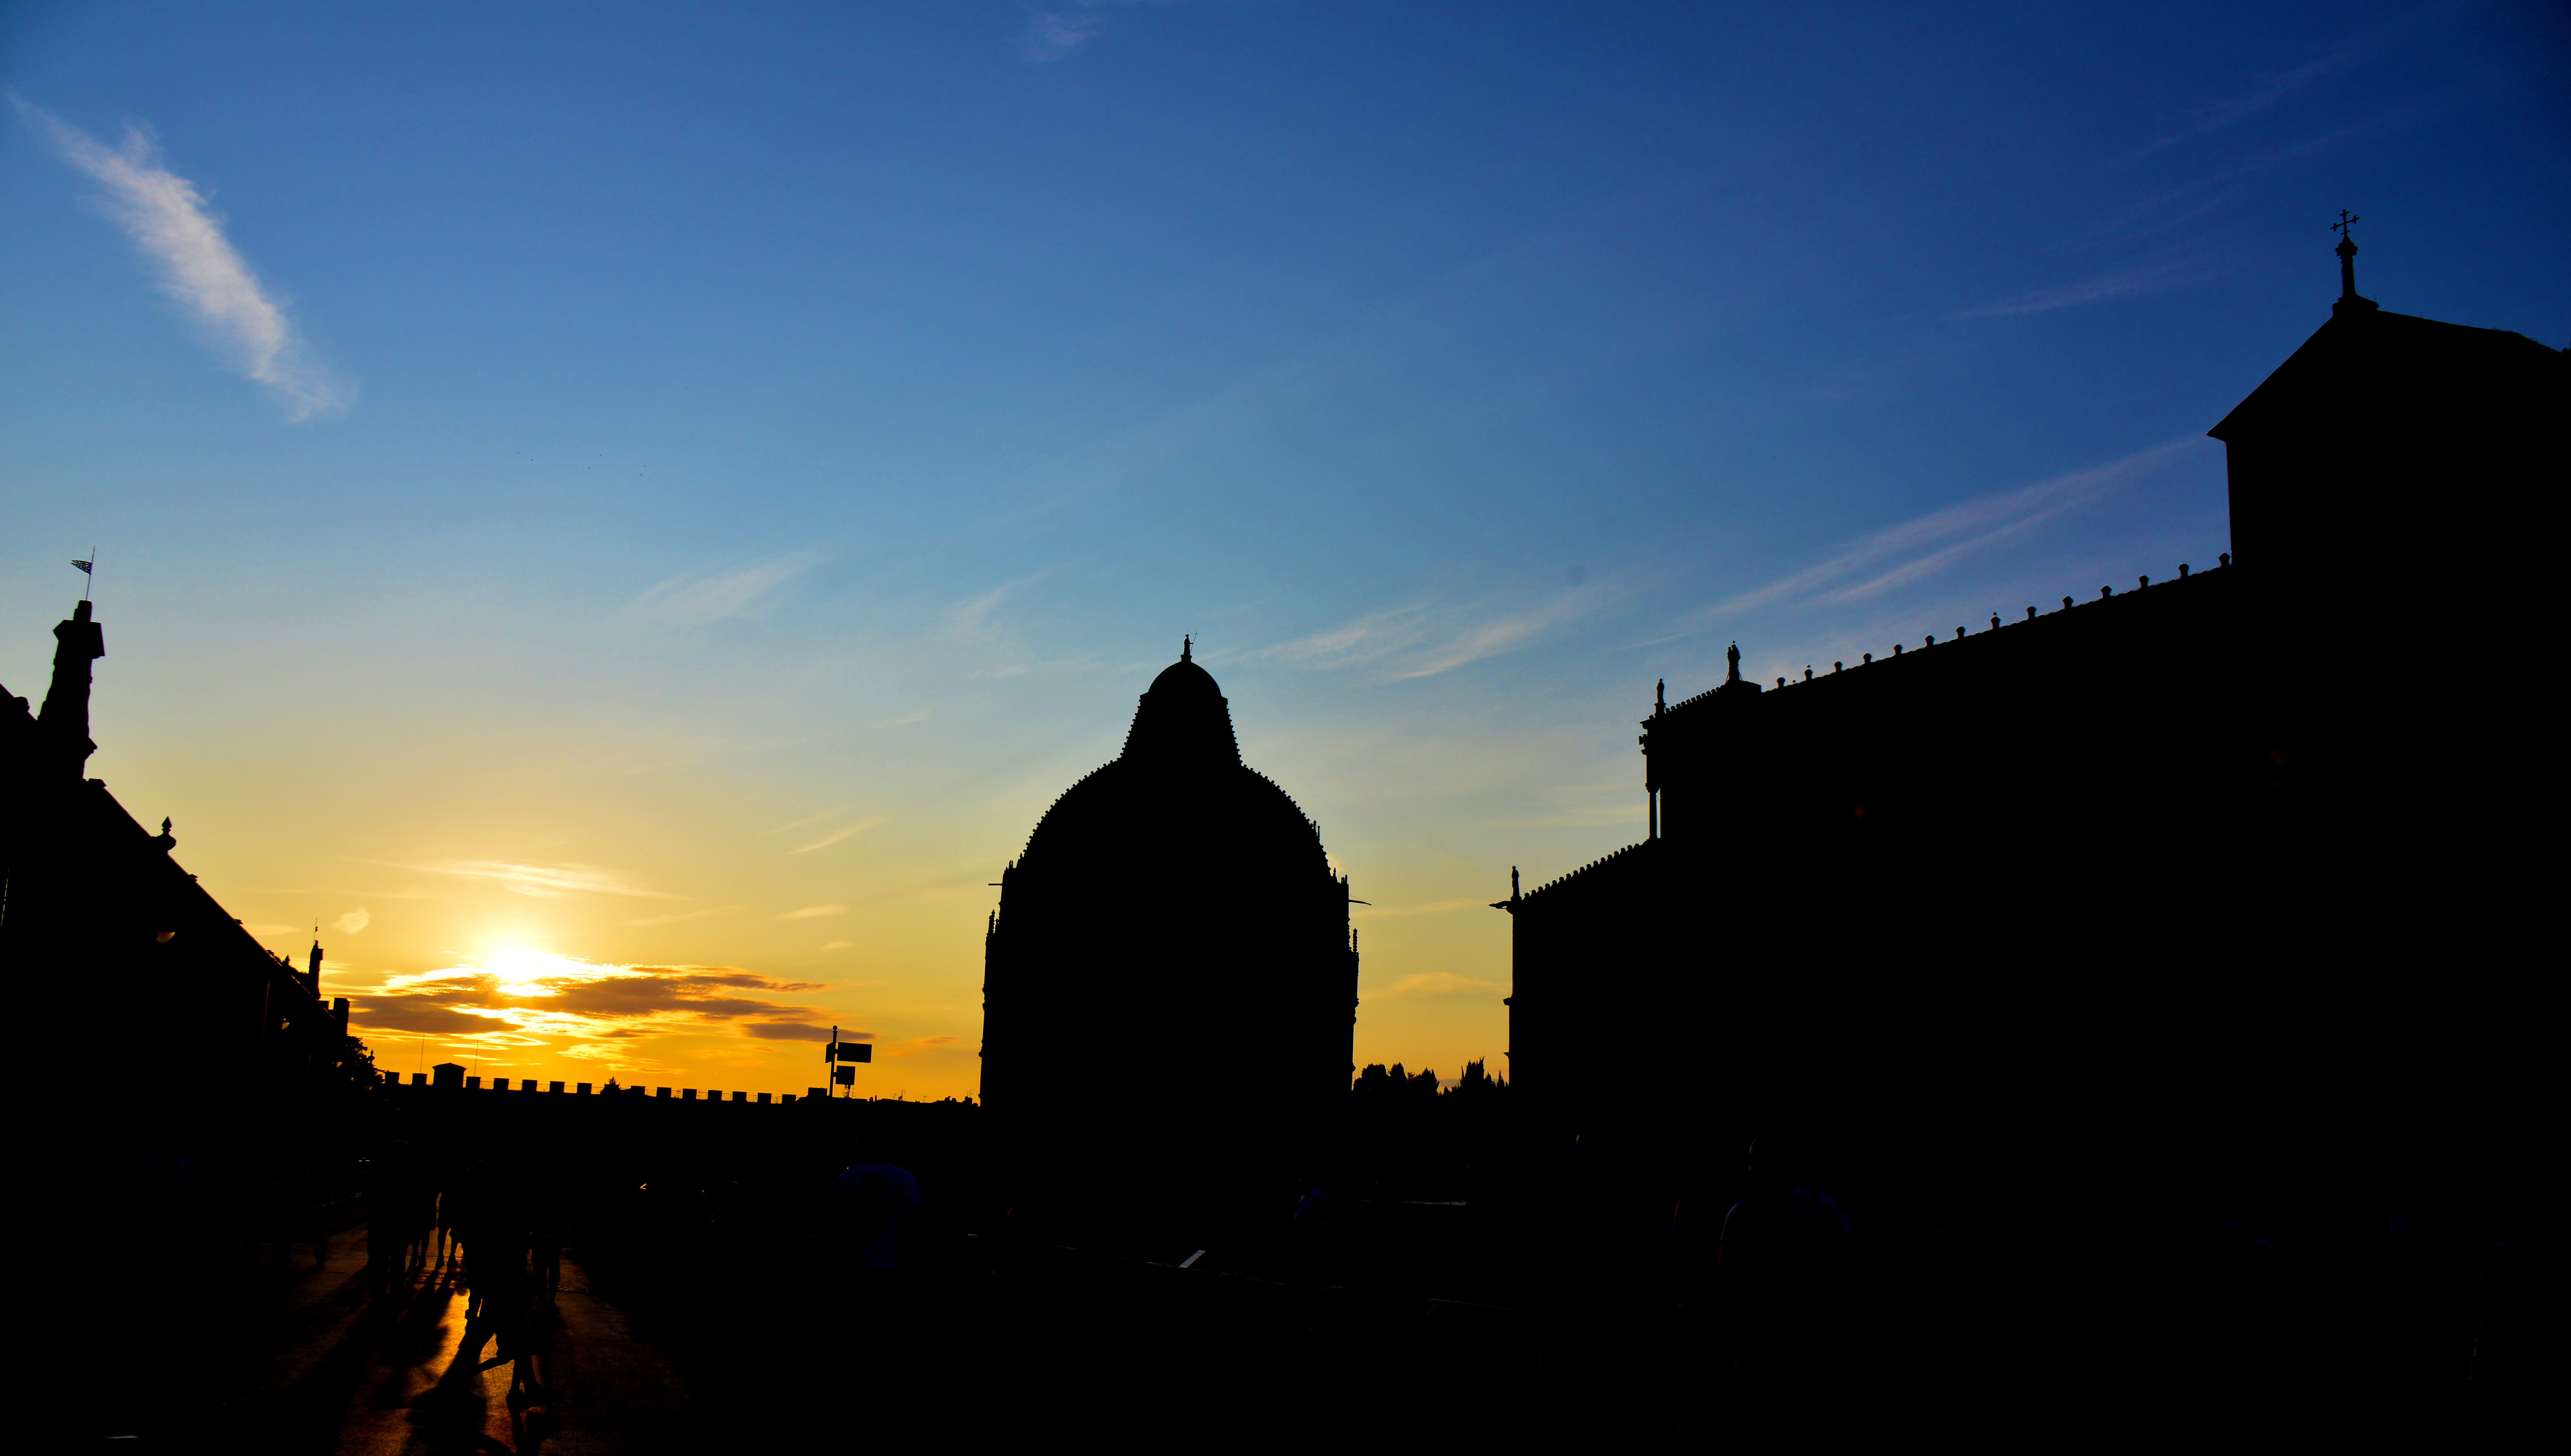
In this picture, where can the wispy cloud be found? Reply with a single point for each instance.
(2268, 91)
(709, 594)
(973, 617)
(167, 218)
(1438, 634)
(676, 917)
(1051, 35)
(1921, 548)
(2163, 211)
(836, 835)
(352, 922)
(2150, 278)
(1439, 983)
(543, 882)
(814, 912)
(1433, 907)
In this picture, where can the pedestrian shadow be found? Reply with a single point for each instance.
(410, 1341)
(453, 1414)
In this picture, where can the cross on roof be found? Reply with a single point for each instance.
(2342, 226)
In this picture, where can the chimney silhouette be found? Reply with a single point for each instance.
(313, 975)
(63, 722)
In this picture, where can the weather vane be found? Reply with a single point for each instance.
(88, 570)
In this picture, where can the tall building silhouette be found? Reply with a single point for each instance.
(1170, 983)
(123, 949)
(2220, 862)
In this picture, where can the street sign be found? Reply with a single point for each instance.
(849, 1051)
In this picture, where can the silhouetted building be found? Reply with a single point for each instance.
(2218, 850)
(92, 907)
(1169, 982)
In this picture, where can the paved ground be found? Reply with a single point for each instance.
(344, 1368)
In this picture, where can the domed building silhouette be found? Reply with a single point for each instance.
(1170, 983)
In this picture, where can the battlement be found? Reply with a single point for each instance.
(421, 1083)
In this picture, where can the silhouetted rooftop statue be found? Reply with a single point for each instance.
(63, 722)
(1733, 682)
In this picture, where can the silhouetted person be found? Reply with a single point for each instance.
(1316, 1236)
(546, 1221)
(421, 1215)
(1783, 1264)
(875, 1212)
(470, 1209)
(444, 1207)
(383, 1181)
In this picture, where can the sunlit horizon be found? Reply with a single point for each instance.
(630, 551)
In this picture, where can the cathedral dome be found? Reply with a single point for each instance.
(1173, 903)
(1178, 792)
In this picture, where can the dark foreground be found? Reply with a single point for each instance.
(745, 1337)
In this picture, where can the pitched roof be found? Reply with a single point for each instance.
(2368, 359)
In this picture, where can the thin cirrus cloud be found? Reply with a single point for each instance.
(2150, 277)
(836, 835)
(1433, 907)
(1434, 634)
(352, 922)
(2270, 89)
(1921, 548)
(971, 619)
(167, 217)
(1439, 983)
(1052, 34)
(709, 594)
(543, 882)
(676, 917)
(814, 912)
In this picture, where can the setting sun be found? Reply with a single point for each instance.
(522, 972)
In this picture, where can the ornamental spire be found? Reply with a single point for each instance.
(2347, 299)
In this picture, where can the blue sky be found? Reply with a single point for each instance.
(578, 441)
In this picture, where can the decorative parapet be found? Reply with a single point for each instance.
(1603, 860)
(2105, 594)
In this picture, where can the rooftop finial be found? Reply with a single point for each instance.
(1732, 654)
(2348, 263)
(1187, 647)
